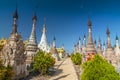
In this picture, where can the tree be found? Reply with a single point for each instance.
(99, 69)
(2, 70)
(6, 73)
(76, 58)
(42, 62)
(25, 44)
(2, 43)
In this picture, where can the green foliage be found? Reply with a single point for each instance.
(6, 73)
(99, 69)
(42, 62)
(76, 58)
(1, 47)
(2, 43)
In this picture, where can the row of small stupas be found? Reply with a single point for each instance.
(111, 54)
(14, 53)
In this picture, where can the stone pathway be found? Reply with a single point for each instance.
(65, 71)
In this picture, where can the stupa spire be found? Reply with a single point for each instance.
(32, 39)
(104, 48)
(15, 18)
(116, 37)
(84, 40)
(79, 43)
(90, 46)
(109, 53)
(117, 41)
(31, 48)
(43, 45)
(99, 49)
(89, 31)
(108, 38)
(89, 23)
(95, 43)
(54, 42)
(99, 43)
(117, 50)
(44, 27)
(63, 46)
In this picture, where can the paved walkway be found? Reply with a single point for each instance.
(65, 71)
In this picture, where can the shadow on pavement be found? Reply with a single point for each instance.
(57, 72)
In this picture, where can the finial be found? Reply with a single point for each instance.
(44, 28)
(44, 23)
(34, 17)
(84, 36)
(54, 38)
(79, 38)
(116, 37)
(89, 22)
(74, 45)
(63, 46)
(95, 41)
(15, 13)
(107, 32)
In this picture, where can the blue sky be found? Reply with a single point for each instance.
(65, 19)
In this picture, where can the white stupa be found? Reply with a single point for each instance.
(43, 45)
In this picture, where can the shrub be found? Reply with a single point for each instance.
(6, 73)
(99, 69)
(76, 58)
(42, 62)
